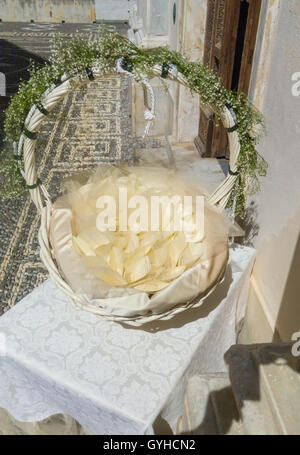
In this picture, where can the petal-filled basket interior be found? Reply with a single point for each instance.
(143, 233)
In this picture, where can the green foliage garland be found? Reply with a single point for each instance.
(76, 55)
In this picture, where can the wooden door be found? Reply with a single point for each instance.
(230, 37)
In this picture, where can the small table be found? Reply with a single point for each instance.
(112, 378)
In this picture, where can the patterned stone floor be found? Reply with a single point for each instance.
(89, 126)
(22, 42)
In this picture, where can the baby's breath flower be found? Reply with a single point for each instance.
(73, 55)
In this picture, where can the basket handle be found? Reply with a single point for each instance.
(221, 195)
(55, 93)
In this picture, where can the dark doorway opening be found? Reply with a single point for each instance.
(230, 38)
(240, 40)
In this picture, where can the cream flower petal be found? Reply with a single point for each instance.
(104, 252)
(95, 238)
(83, 247)
(191, 254)
(176, 245)
(132, 242)
(147, 261)
(137, 269)
(99, 269)
(159, 255)
(172, 274)
(116, 260)
(150, 285)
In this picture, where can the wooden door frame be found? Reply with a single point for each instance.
(220, 54)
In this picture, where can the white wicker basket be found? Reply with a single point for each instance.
(42, 199)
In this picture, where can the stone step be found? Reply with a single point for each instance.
(226, 412)
(266, 384)
(259, 396)
(209, 407)
(280, 376)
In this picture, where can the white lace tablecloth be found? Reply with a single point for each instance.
(111, 378)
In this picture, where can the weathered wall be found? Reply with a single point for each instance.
(187, 35)
(191, 42)
(113, 10)
(157, 24)
(276, 275)
(47, 10)
(157, 29)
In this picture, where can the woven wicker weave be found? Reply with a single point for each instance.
(43, 203)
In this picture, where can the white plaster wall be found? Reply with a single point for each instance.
(142, 11)
(194, 28)
(191, 42)
(112, 10)
(186, 35)
(47, 10)
(174, 27)
(153, 19)
(162, 124)
(159, 23)
(157, 29)
(278, 204)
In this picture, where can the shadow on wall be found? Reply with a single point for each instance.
(14, 64)
(288, 319)
(250, 226)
